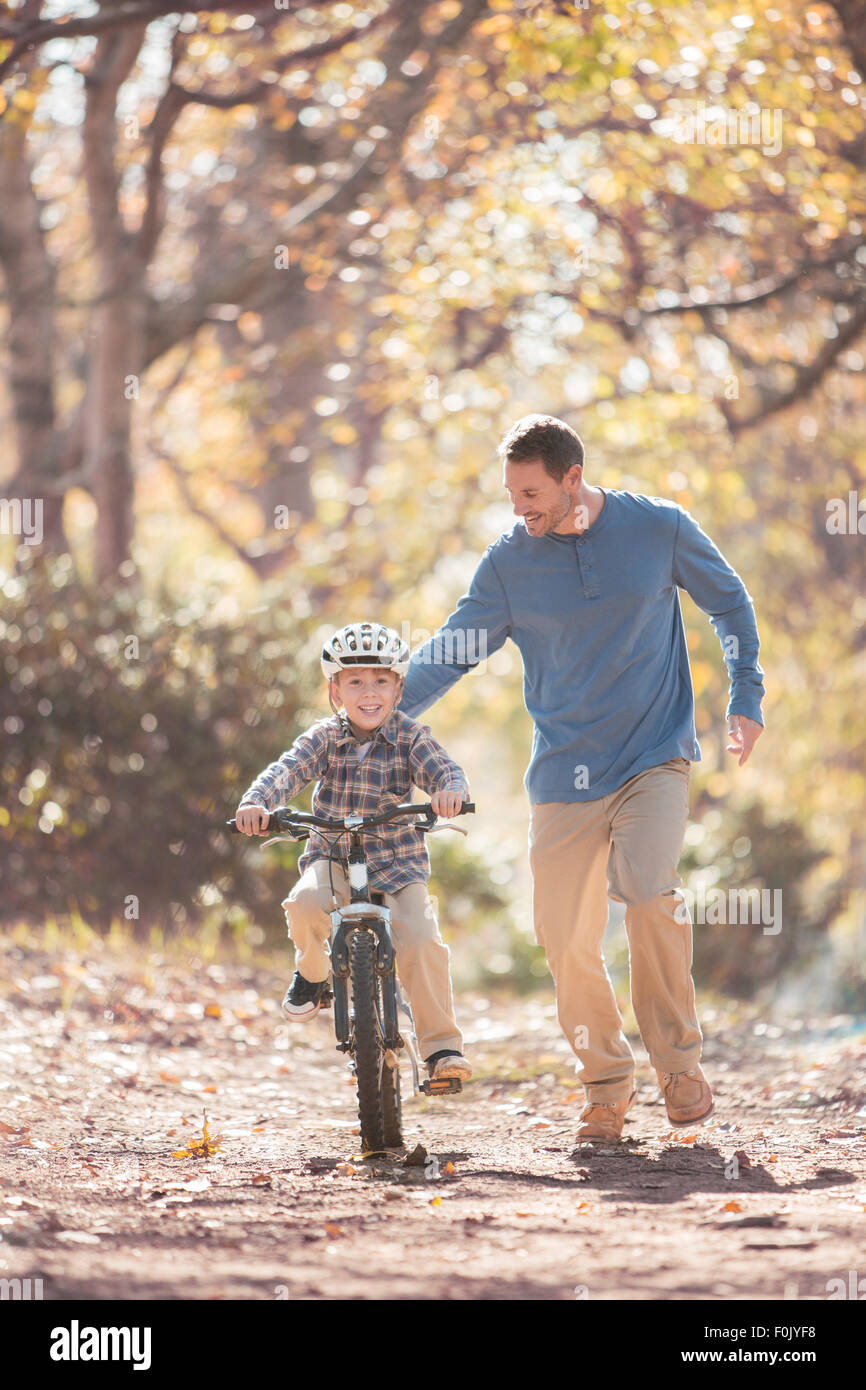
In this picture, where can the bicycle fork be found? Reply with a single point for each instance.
(363, 916)
(367, 916)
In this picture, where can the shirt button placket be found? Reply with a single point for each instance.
(587, 573)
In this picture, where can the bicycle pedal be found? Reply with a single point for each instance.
(447, 1086)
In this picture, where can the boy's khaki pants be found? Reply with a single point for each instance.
(423, 959)
(630, 840)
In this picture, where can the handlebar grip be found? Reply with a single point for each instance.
(468, 806)
(271, 825)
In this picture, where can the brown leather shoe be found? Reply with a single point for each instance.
(603, 1119)
(688, 1098)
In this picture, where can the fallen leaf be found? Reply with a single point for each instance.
(449, 1168)
(167, 1076)
(436, 1201)
(213, 1011)
(8, 1129)
(333, 1229)
(200, 1148)
(733, 1205)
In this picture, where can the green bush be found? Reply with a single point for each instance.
(743, 850)
(130, 733)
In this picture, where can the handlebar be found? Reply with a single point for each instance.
(286, 820)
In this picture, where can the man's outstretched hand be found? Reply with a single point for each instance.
(744, 734)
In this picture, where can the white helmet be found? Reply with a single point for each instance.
(365, 644)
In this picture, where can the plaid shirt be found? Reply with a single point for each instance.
(403, 752)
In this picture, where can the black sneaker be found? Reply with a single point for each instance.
(441, 1066)
(303, 999)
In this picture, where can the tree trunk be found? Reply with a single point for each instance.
(30, 287)
(115, 339)
(115, 372)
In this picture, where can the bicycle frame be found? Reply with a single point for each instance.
(364, 913)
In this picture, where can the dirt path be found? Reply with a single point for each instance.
(107, 1061)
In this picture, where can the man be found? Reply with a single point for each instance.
(586, 586)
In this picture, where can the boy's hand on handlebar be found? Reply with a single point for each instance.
(447, 803)
(252, 820)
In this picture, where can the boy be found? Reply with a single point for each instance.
(366, 757)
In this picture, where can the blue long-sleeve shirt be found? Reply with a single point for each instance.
(597, 621)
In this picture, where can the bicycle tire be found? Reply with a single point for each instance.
(367, 1049)
(392, 1110)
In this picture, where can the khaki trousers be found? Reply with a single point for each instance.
(626, 845)
(423, 959)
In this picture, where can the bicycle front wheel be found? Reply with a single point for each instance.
(368, 1052)
(392, 1110)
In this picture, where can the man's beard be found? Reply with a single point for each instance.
(559, 515)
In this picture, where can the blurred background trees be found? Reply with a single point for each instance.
(275, 282)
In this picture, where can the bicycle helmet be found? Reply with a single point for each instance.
(365, 644)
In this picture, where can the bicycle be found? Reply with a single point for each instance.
(362, 954)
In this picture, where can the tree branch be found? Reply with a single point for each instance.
(745, 297)
(28, 34)
(254, 273)
(296, 58)
(807, 377)
(171, 103)
(114, 59)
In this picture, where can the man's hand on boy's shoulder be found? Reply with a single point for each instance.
(252, 819)
(448, 802)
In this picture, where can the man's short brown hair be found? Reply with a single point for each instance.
(543, 437)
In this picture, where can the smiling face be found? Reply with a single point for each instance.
(540, 500)
(369, 694)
